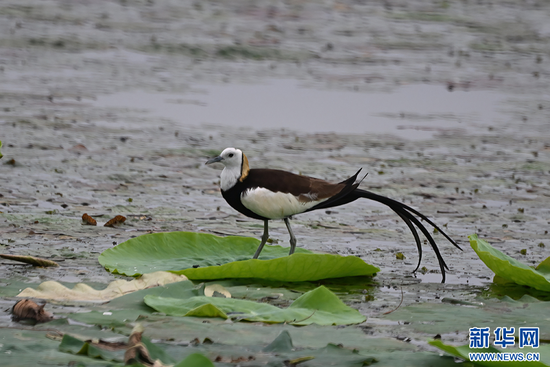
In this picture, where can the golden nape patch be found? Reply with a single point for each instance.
(244, 169)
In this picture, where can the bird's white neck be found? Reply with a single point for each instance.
(229, 177)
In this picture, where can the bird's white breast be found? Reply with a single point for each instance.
(274, 205)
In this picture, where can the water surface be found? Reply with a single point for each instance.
(412, 111)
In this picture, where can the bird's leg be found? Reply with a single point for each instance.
(292, 238)
(265, 236)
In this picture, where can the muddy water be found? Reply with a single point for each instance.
(100, 105)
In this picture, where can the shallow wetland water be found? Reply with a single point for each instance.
(114, 108)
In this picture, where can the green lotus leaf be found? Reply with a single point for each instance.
(464, 350)
(319, 306)
(544, 267)
(296, 268)
(207, 310)
(282, 343)
(330, 355)
(509, 268)
(129, 307)
(432, 318)
(70, 344)
(205, 256)
(195, 360)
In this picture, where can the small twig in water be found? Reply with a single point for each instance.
(296, 322)
(399, 305)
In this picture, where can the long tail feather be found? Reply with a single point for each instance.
(415, 235)
(407, 214)
(389, 202)
(442, 264)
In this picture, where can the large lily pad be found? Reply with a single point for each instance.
(319, 306)
(331, 355)
(279, 352)
(32, 348)
(434, 318)
(509, 268)
(129, 307)
(205, 256)
(294, 268)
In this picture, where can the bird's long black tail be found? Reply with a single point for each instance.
(408, 215)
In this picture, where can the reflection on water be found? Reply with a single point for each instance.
(412, 111)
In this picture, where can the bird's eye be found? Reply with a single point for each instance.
(230, 155)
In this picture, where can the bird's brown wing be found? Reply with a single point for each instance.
(305, 188)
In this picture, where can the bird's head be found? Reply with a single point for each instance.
(234, 160)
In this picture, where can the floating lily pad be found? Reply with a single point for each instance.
(279, 352)
(32, 348)
(205, 256)
(434, 318)
(509, 268)
(319, 306)
(295, 268)
(129, 307)
(504, 287)
(331, 355)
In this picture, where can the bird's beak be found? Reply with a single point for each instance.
(214, 160)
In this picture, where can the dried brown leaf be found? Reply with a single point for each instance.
(119, 219)
(109, 345)
(29, 310)
(88, 220)
(36, 261)
(137, 352)
(79, 148)
(234, 360)
(135, 338)
(82, 292)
